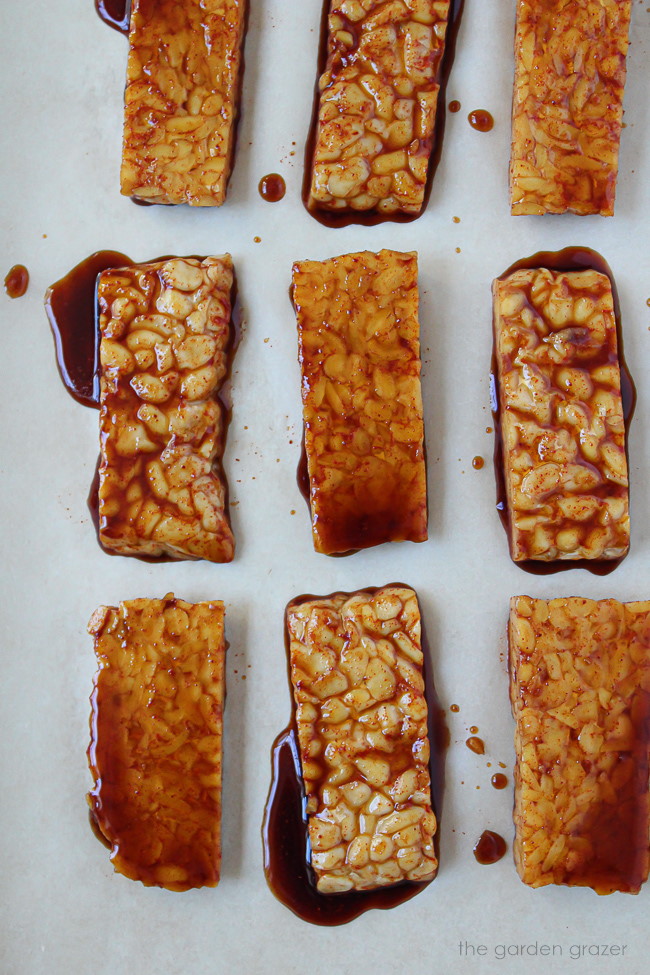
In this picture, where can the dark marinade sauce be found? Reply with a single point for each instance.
(285, 837)
(272, 187)
(115, 13)
(481, 120)
(71, 307)
(72, 310)
(17, 281)
(489, 848)
(568, 259)
(369, 218)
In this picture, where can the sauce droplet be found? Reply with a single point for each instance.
(454, 106)
(499, 780)
(490, 847)
(456, 219)
(476, 745)
(477, 463)
(454, 708)
(648, 302)
(70, 307)
(272, 187)
(115, 13)
(480, 120)
(16, 281)
(489, 430)
(473, 730)
(257, 240)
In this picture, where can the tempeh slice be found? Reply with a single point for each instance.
(181, 99)
(356, 669)
(567, 107)
(156, 739)
(358, 337)
(165, 342)
(580, 693)
(377, 104)
(561, 415)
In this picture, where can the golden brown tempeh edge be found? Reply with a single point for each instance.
(359, 352)
(165, 346)
(361, 714)
(377, 102)
(567, 106)
(561, 415)
(181, 100)
(580, 694)
(156, 739)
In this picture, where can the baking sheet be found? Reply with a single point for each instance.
(62, 909)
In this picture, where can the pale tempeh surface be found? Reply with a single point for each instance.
(182, 88)
(165, 338)
(377, 105)
(156, 739)
(561, 415)
(567, 105)
(580, 693)
(358, 336)
(356, 669)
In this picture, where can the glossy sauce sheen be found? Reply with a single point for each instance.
(569, 259)
(476, 745)
(333, 218)
(284, 831)
(490, 847)
(16, 281)
(480, 120)
(499, 780)
(71, 309)
(115, 13)
(272, 188)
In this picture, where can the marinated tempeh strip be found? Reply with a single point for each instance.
(580, 693)
(377, 105)
(165, 338)
(567, 105)
(358, 337)
(356, 670)
(156, 739)
(182, 90)
(561, 415)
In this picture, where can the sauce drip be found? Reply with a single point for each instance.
(568, 259)
(115, 13)
(477, 463)
(285, 834)
(16, 281)
(476, 745)
(71, 309)
(499, 780)
(454, 106)
(272, 187)
(490, 847)
(369, 218)
(480, 120)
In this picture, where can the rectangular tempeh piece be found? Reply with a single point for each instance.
(561, 415)
(182, 89)
(156, 739)
(377, 105)
(356, 668)
(358, 337)
(580, 693)
(567, 106)
(164, 342)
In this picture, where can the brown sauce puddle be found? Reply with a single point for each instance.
(568, 259)
(481, 120)
(16, 281)
(284, 830)
(71, 308)
(369, 218)
(272, 188)
(489, 848)
(115, 13)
